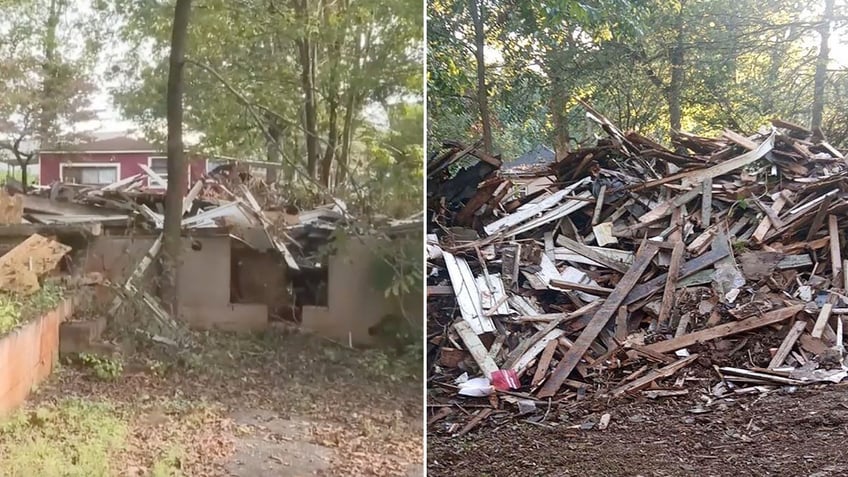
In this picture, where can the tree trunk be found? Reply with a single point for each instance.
(482, 94)
(347, 138)
(46, 118)
(306, 58)
(177, 178)
(675, 85)
(272, 150)
(821, 66)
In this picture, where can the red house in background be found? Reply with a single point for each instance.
(103, 162)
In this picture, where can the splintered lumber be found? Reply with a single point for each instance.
(544, 363)
(476, 348)
(707, 202)
(467, 294)
(21, 267)
(647, 379)
(787, 344)
(818, 221)
(700, 175)
(821, 321)
(686, 270)
(599, 206)
(572, 357)
(835, 248)
(765, 224)
(669, 206)
(671, 283)
(477, 419)
(744, 373)
(592, 254)
(726, 329)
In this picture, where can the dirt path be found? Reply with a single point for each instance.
(273, 405)
(798, 434)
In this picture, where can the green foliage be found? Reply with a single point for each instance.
(104, 369)
(72, 439)
(16, 310)
(742, 63)
(365, 56)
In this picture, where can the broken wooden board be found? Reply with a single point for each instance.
(467, 294)
(475, 347)
(726, 329)
(688, 269)
(787, 344)
(646, 380)
(599, 321)
(699, 175)
(22, 266)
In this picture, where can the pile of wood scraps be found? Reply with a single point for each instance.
(641, 271)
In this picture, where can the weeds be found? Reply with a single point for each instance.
(72, 439)
(16, 310)
(105, 369)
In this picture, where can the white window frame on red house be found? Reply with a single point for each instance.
(150, 183)
(90, 165)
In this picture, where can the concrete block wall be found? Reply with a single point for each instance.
(28, 354)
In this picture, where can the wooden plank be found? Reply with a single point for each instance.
(770, 213)
(523, 362)
(663, 372)
(700, 175)
(787, 344)
(572, 357)
(603, 234)
(592, 254)
(475, 421)
(835, 248)
(621, 330)
(593, 289)
(658, 357)
(467, 294)
(476, 348)
(707, 202)
(726, 329)
(765, 224)
(818, 221)
(528, 211)
(760, 376)
(544, 363)
(671, 283)
(668, 206)
(821, 321)
(739, 139)
(686, 270)
(599, 206)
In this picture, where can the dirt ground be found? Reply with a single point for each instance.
(780, 434)
(270, 405)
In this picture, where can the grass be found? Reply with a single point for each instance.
(75, 438)
(16, 310)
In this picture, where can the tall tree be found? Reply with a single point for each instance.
(177, 173)
(821, 66)
(45, 76)
(476, 11)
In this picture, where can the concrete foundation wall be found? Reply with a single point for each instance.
(354, 304)
(232, 317)
(27, 356)
(205, 273)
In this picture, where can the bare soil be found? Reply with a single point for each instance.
(803, 433)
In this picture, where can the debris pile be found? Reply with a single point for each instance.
(638, 270)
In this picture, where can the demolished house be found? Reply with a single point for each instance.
(641, 271)
(247, 260)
